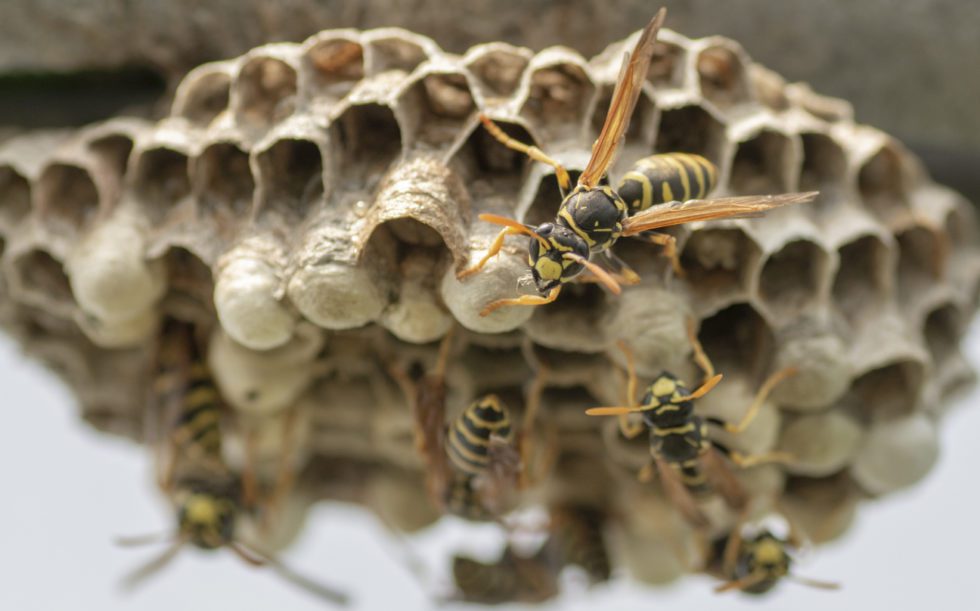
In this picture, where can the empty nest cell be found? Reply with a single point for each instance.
(498, 70)
(722, 77)
(575, 322)
(161, 181)
(720, 263)
(889, 391)
(942, 330)
(190, 284)
(863, 276)
(691, 129)
(292, 175)
(882, 182)
(334, 66)
(559, 99)
(488, 167)
(921, 252)
(205, 95)
(42, 278)
(824, 163)
(547, 199)
(369, 138)
(443, 102)
(266, 91)
(67, 196)
(15, 196)
(667, 65)
(761, 165)
(394, 54)
(113, 151)
(792, 278)
(738, 340)
(225, 181)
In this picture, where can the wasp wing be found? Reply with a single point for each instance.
(679, 495)
(677, 213)
(724, 480)
(624, 98)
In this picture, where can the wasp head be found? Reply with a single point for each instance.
(206, 520)
(546, 255)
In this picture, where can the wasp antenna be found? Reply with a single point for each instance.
(134, 579)
(515, 225)
(814, 583)
(602, 275)
(141, 540)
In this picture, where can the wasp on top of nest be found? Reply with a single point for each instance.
(659, 191)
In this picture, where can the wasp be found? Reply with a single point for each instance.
(756, 564)
(687, 460)
(593, 216)
(208, 497)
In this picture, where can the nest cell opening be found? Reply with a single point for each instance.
(67, 196)
(161, 181)
(547, 200)
(206, 97)
(760, 165)
(719, 262)
(292, 171)
(559, 100)
(691, 129)
(394, 54)
(824, 163)
(444, 102)
(488, 167)
(882, 182)
(189, 279)
(226, 183)
(113, 150)
(639, 135)
(15, 196)
(737, 339)
(722, 77)
(267, 91)
(863, 273)
(43, 277)
(942, 330)
(499, 72)
(666, 65)
(336, 65)
(368, 138)
(921, 253)
(792, 277)
(413, 233)
(889, 391)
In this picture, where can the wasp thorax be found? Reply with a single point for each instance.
(595, 214)
(549, 266)
(207, 520)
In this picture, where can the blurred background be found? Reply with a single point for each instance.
(908, 66)
(69, 490)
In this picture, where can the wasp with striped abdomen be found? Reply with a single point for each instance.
(208, 497)
(660, 191)
(755, 564)
(684, 455)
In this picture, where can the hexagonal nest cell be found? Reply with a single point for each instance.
(351, 169)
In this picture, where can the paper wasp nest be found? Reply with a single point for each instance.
(310, 204)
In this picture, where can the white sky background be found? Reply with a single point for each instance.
(68, 490)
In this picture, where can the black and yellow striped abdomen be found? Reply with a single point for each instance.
(468, 438)
(197, 431)
(658, 179)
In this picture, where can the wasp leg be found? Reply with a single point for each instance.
(760, 399)
(746, 460)
(669, 244)
(286, 473)
(250, 480)
(629, 428)
(564, 180)
(732, 548)
(526, 300)
(700, 356)
(495, 246)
